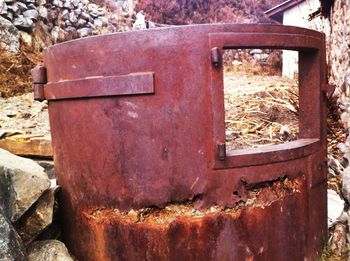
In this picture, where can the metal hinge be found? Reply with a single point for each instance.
(221, 151)
(215, 56)
(39, 80)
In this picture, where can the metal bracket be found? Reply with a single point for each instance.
(39, 80)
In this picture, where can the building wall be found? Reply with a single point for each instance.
(298, 16)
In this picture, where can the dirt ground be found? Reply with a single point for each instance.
(22, 115)
(260, 110)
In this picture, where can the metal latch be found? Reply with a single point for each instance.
(39, 80)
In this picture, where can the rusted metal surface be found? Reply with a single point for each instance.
(39, 74)
(132, 84)
(122, 142)
(215, 56)
(249, 233)
(39, 79)
(38, 89)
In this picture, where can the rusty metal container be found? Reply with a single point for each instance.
(137, 122)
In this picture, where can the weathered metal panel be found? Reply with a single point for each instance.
(132, 84)
(116, 151)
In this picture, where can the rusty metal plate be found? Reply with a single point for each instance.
(114, 150)
(132, 84)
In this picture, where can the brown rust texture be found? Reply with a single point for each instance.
(259, 195)
(142, 142)
(250, 231)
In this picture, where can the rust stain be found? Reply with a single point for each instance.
(99, 241)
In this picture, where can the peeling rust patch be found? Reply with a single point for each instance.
(258, 196)
(181, 232)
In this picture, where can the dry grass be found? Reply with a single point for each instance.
(15, 77)
(257, 108)
(329, 255)
(336, 134)
(255, 68)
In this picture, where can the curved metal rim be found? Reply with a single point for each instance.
(269, 154)
(238, 28)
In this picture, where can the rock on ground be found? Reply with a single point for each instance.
(338, 242)
(49, 167)
(346, 183)
(9, 36)
(22, 181)
(335, 207)
(140, 23)
(23, 114)
(11, 247)
(48, 250)
(37, 218)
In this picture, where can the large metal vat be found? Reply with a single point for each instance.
(137, 122)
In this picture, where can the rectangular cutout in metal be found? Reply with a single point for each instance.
(261, 106)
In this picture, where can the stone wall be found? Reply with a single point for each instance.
(51, 21)
(338, 49)
(339, 59)
(338, 56)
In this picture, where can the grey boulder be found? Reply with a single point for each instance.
(83, 32)
(38, 218)
(48, 250)
(31, 14)
(3, 7)
(9, 36)
(11, 246)
(22, 182)
(346, 183)
(43, 12)
(23, 22)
